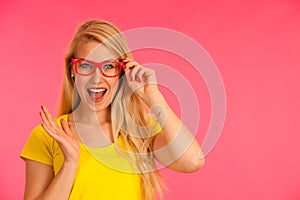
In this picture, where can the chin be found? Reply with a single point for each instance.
(97, 108)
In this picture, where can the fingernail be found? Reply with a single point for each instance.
(131, 79)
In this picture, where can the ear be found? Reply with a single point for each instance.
(72, 74)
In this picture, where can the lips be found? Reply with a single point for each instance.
(96, 94)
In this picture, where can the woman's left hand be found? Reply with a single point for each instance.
(141, 80)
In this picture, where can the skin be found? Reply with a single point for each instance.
(91, 116)
(168, 145)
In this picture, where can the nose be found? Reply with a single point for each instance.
(97, 75)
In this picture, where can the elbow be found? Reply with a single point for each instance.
(187, 165)
(195, 165)
(198, 164)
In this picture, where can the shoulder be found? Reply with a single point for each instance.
(64, 117)
(39, 132)
(40, 146)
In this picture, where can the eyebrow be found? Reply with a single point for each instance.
(109, 60)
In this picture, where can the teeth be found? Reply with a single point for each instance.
(97, 90)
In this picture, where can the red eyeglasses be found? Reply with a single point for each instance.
(86, 67)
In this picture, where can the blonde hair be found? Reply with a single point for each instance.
(127, 110)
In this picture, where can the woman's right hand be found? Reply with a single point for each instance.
(63, 135)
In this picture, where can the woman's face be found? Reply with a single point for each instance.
(96, 91)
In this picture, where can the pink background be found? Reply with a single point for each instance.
(255, 45)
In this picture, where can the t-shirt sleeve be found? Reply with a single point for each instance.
(39, 147)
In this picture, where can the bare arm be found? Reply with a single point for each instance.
(175, 147)
(40, 180)
(42, 184)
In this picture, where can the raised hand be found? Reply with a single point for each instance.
(68, 144)
(141, 80)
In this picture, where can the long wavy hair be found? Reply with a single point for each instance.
(127, 110)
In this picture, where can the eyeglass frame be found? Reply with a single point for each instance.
(96, 65)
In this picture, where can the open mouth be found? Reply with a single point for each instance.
(96, 94)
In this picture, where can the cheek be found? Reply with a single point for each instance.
(114, 84)
(80, 82)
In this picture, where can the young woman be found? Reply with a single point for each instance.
(104, 144)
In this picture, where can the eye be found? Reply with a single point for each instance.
(108, 66)
(86, 65)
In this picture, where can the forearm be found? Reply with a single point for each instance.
(61, 185)
(180, 144)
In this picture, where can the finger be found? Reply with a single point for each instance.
(50, 128)
(127, 59)
(131, 64)
(150, 76)
(51, 132)
(66, 128)
(133, 72)
(139, 74)
(53, 127)
(44, 118)
(49, 117)
(59, 137)
(127, 74)
(46, 111)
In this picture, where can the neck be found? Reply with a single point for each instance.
(83, 114)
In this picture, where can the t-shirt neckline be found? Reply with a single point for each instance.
(111, 145)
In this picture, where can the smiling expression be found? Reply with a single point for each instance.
(96, 91)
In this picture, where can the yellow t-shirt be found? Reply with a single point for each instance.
(102, 172)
